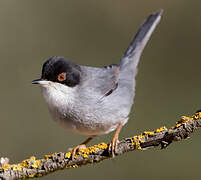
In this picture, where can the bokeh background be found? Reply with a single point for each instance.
(96, 33)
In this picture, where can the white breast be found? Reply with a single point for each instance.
(77, 114)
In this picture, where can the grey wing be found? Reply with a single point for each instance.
(102, 81)
(111, 77)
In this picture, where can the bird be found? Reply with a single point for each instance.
(94, 101)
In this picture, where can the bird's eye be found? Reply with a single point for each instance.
(61, 77)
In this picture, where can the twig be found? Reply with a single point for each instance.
(163, 137)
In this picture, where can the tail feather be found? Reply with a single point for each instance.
(134, 51)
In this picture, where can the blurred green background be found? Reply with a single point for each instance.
(96, 33)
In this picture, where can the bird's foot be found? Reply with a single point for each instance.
(79, 147)
(76, 149)
(113, 146)
(115, 141)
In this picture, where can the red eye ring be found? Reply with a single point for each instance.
(61, 77)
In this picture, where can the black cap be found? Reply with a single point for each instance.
(58, 69)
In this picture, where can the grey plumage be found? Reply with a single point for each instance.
(103, 97)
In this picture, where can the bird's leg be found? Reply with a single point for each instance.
(115, 140)
(80, 146)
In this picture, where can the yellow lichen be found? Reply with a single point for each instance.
(68, 155)
(6, 167)
(17, 167)
(193, 117)
(85, 156)
(32, 158)
(185, 118)
(72, 166)
(75, 166)
(86, 151)
(93, 148)
(32, 175)
(26, 162)
(161, 129)
(132, 142)
(36, 164)
(198, 115)
(136, 142)
(178, 125)
(141, 138)
(50, 155)
(39, 175)
(151, 133)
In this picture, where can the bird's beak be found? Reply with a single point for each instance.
(40, 81)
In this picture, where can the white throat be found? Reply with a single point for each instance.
(59, 97)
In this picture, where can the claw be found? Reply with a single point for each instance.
(80, 146)
(115, 141)
(77, 149)
(113, 146)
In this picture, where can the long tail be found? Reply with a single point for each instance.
(134, 51)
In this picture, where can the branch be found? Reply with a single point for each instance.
(163, 137)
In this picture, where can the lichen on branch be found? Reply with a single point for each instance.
(162, 136)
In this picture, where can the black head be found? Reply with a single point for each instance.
(57, 69)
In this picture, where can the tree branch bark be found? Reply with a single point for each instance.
(162, 136)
